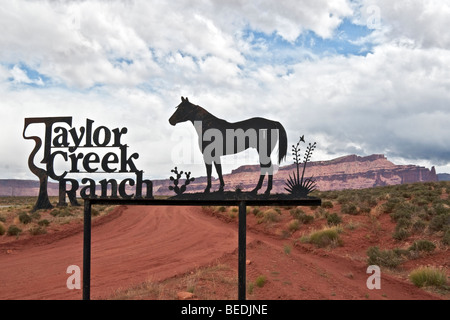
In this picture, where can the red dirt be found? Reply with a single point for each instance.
(134, 244)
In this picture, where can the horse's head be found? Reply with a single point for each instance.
(183, 112)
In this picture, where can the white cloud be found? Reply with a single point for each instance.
(141, 56)
(419, 23)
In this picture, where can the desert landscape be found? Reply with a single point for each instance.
(293, 253)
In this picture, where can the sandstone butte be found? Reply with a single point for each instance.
(348, 172)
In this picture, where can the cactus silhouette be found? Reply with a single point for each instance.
(179, 190)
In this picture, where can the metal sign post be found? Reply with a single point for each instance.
(242, 228)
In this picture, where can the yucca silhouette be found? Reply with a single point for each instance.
(297, 186)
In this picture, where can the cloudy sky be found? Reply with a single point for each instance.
(357, 77)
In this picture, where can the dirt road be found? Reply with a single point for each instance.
(135, 244)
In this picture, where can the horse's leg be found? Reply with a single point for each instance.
(268, 168)
(218, 166)
(259, 185)
(208, 174)
(269, 184)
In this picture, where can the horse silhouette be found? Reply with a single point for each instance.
(218, 137)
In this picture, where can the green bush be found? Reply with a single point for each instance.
(294, 225)
(61, 212)
(333, 219)
(35, 215)
(261, 281)
(43, 223)
(2, 228)
(325, 237)
(327, 204)
(301, 216)
(13, 230)
(446, 238)
(428, 276)
(24, 218)
(270, 215)
(440, 222)
(349, 208)
(422, 245)
(401, 234)
(418, 226)
(2, 218)
(386, 258)
(37, 230)
(390, 205)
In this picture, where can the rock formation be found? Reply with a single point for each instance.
(348, 172)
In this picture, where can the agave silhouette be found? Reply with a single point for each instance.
(296, 185)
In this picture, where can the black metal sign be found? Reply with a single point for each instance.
(65, 144)
(76, 150)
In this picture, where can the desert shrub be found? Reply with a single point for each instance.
(372, 202)
(261, 281)
(386, 258)
(440, 222)
(422, 245)
(446, 237)
(403, 223)
(37, 230)
(428, 276)
(364, 208)
(301, 216)
(287, 249)
(43, 223)
(294, 225)
(62, 212)
(419, 201)
(418, 226)
(296, 212)
(390, 205)
(327, 204)
(325, 237)
(343, 199)
(2, 228)
(440, 209)
(258, 213)
(349, 208)
(24, 218)
(2, 218)
(94, 212)
(13, 230)
(270, 215)
(35, 215)
(402, 211)
(401, 234)
(333, 219)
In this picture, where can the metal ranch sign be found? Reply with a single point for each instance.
(93, 149)
(66, 145)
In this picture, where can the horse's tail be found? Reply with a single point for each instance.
(282, 142)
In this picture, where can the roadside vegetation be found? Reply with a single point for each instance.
(18, 219)
(395, 224)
